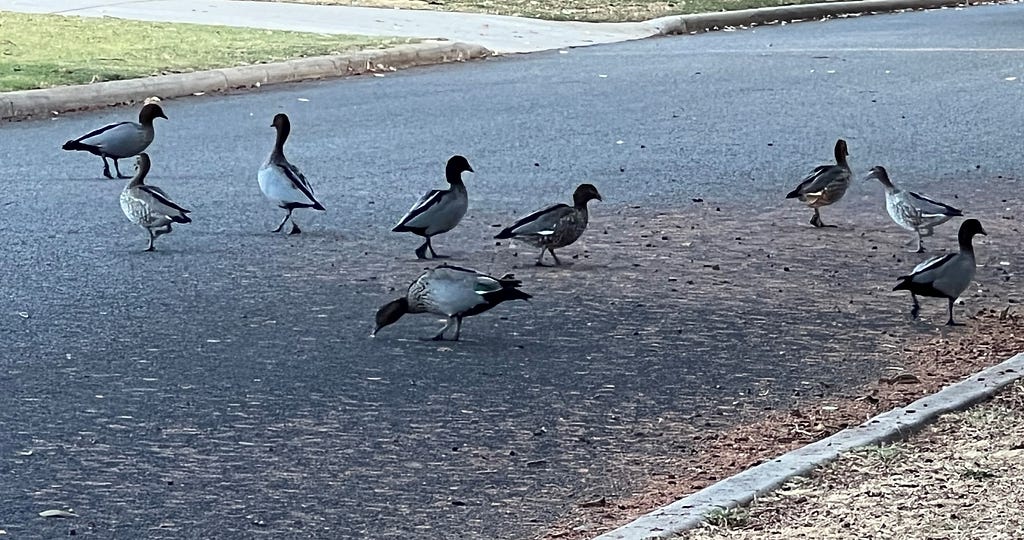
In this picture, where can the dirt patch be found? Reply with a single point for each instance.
(955, 479)
(827, 273)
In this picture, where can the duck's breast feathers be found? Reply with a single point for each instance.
(435, 212)
(902, 212)
(120, 140)
(541, 222)
(930, 207)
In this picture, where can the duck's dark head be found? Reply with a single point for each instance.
(842, 152)
(281, 121)
(390, 313)
(585, 193)
(456, 166)
(149, 112)
(879, 173)
(969, 229)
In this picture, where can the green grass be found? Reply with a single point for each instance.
(568, 10)
(41, 51)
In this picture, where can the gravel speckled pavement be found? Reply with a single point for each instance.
(226, 385)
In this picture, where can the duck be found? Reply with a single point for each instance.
(451, 291)
(944, 276)
(149, 206)
(913, 211)
(439, 210)
(283, 183)
(555, 226)
(825, 185)
(119, 140)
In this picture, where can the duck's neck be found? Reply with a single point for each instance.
(966, 244)
(841, 158)
(884, 179)
(140, 176)
(282, 136)
(454, 177)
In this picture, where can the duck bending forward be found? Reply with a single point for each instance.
(453, 292)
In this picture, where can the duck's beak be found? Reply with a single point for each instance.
(470, 169)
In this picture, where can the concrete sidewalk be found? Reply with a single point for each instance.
(498, 33)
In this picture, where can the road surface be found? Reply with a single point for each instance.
(225, 386)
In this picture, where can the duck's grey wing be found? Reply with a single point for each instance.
(816, 181)
(296, 176)
(474, 280)
(930, 207)
(428, 200)
(105, 129)
(298, 180)
(161, 197)
(541, 222)
(929, 270)
(160, 204)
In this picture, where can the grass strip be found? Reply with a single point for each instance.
(42, 51)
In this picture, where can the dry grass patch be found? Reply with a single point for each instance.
(959, 479)
(567, 10)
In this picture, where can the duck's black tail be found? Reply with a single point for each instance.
(509, 290)
(506, 233)
(75, 145)
(905, 283)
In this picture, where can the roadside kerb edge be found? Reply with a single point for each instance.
(26, 103)
(897, 424)
(701, 22)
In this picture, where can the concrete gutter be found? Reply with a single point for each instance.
(690, 512)
(27, 103)
(702, 22)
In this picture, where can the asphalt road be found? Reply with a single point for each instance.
(226, 387)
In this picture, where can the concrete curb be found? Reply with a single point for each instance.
(702, 22)
(690, 512)
(26, 103)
